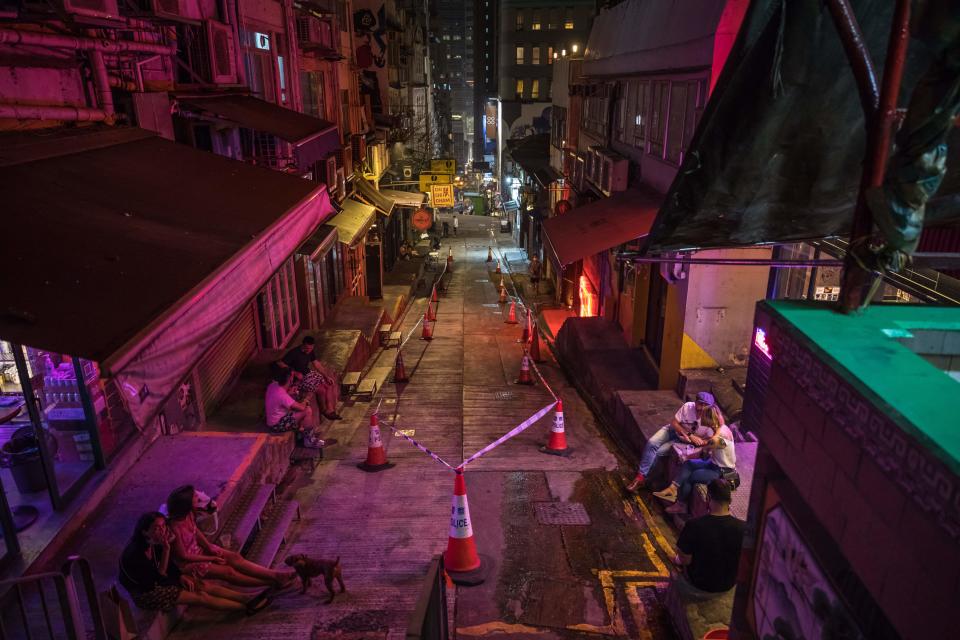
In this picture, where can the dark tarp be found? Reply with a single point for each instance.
(599, 226)
(313, 138)
(106, 230)
(777, 156)
(532, 153)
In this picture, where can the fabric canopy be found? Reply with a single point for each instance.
(531, 153)
(370, 194)
(314, 139)
(778, 153)
(404, 198)
(136, 252)
(353, 221)
(599, 226)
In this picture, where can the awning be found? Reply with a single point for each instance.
(313, 139)
(546, 176)
(531, 153)
(319, 243)
(136, 252)
(353, 221)
(370, 194)
(404, 198)
(600, 226)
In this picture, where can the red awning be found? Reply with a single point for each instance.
(600, 226)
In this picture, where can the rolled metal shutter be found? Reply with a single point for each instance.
(223, 362)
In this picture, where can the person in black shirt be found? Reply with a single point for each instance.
(312, 376)
(154, 583)
(709, 547)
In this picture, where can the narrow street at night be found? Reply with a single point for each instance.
(600, 574)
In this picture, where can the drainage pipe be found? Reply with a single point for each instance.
(46, 112)
(102, 45)
(101, 82)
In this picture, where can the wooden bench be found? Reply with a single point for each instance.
(385, 330)
(396, 337)
(367, 388)
(350, 381)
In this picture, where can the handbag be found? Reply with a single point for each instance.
(117, 617)
(733, 478)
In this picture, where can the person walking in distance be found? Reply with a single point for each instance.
(533, 270)
(456, 224)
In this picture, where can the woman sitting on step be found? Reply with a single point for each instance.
(197, 556)
(156, 584)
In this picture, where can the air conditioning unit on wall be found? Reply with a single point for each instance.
(223, 61)
(312, 31)
(614, 173)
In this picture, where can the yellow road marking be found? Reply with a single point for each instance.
(654, 529)
(637, 607)
(497, 627)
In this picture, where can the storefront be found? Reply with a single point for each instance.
(320, 276)
(353, 224)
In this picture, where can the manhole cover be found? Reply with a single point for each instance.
(504, 395)
(569, 513)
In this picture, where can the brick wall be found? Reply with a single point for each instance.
(889, 509)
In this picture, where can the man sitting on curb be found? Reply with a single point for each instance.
(682, 428)
(312, 376)
(708, 549)
(283, 413)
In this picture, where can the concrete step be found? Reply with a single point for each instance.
(276, 520)
(246, 516)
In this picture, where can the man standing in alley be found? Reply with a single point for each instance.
(533, 270)
(456, 224)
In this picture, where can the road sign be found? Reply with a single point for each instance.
(442, 195)
(429, 179)
(421, 219)
(443, 165)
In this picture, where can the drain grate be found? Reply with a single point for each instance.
(564, 513)
(504, 395)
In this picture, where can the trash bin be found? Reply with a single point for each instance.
(21, 454)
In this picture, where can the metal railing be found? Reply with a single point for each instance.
(429, 618)
(49, 605)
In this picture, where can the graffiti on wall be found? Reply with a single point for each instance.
(370, 29)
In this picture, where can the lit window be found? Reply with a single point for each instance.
(535, 55)
(550, 55)
(519, 54)
(535, 89)
(535, 24)
(519, 21)
(520, 88)
(568, 19)
(568, 24)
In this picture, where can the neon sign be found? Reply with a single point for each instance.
(760, 342)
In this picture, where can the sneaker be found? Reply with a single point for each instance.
(669, 494)
(313, 442)
(638, 483)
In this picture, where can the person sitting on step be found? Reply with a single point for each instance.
(156, 584)
(313, 376)
(716, 458)
(708, 549)
(200, 558)
(283, 413)
(683, 428)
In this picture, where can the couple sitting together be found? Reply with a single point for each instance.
(169, 562)
(702, 441)
(296, 378)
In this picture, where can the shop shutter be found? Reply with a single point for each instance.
(222, 363)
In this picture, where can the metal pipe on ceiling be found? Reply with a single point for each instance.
(77, 43)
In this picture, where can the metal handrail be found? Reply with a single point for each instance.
(68, 600)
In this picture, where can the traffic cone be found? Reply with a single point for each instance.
(498, 267)
(557, 445)
(535, 344)
(431, 314)
(512, 316)
(461, 552)
(433, 296)
(525, 377)
(427, 333)
(525, 336)
(489, 254)
(376, 455)
(450, 254)
(400, 373)
(503, 295)
(502, 286)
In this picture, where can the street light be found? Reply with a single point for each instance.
(574, 48)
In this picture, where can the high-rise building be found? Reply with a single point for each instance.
(454, 78)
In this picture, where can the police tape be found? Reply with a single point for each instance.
(516, 430)
(421, 447)
(419, 321)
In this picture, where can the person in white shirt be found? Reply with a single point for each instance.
(718, 458)
(283, 413)
(685, 427)
(456, 224)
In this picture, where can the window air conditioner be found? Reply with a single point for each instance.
(314, 32)
(613, 175)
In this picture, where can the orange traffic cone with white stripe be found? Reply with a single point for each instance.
(489, 254)
(557, 445)
(376, 454)
(427, 333)
(498, 267)
(431, 314)
(502, 286)
(525, 377)
(400, 372)
(461, 558)
(512, 316)
(503, 295)
(535, 344)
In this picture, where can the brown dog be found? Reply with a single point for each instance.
(309, 568)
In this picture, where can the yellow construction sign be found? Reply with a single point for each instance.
(427, 180)
(443, 165)
(441, 195)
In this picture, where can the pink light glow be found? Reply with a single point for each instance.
(760, 340)
(588, 299)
